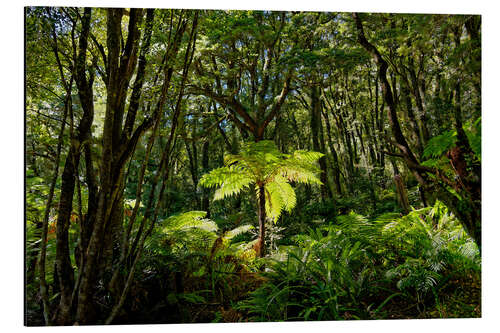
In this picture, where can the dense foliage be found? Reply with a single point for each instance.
(224, 166)
(360, 268)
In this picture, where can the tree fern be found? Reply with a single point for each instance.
(262, 162)
(229, 180)
(264, 166)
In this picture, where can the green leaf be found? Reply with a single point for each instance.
(440, 144)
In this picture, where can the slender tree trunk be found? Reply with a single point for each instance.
(401, 190)
(192, 152)
(333, 151)
(113, 234)
(83, 133)
(417, 92)
(87, 223)
(45, 223)
(413, 121)
(63, 263)
(261, 244)
(317, 135)
(106, 171)
(163, 174)
(205, 201)
(423, 197)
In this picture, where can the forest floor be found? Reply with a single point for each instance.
(458, 298)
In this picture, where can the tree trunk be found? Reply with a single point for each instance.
(333, 151)
(401, 190)
(163, 172)
(318, 139)
(83, 133)
(413, 121)
(205, 201)
(45, 223)
(63, 262)
(261, 197)
(417, 92)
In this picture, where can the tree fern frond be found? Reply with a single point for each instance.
(439, 144)
(308, 156)
(296, 173)
(230, 179)
(234, 184)
(188, 220)
(215, 177)
(279, 196)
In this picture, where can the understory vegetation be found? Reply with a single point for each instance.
(188, 166)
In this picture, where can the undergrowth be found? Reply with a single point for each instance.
(421, 265)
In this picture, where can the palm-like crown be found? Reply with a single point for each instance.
(261, 163)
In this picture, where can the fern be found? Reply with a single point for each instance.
(318, 279)
(230, 180)
(440, 144)
(279, 196)
(337, 269)
(188, 220)
(262, 163)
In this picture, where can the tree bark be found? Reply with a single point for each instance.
(401, 190)
(261, 244)
(63, 262)
(119, 67)
(45, 223)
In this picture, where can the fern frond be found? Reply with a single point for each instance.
(279, 196)
(295, 172)
(310, 157)
(188, 220)
(238, 231)
(214, 178)
(440, 144)
(231, 180)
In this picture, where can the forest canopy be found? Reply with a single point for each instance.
(225, 166)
